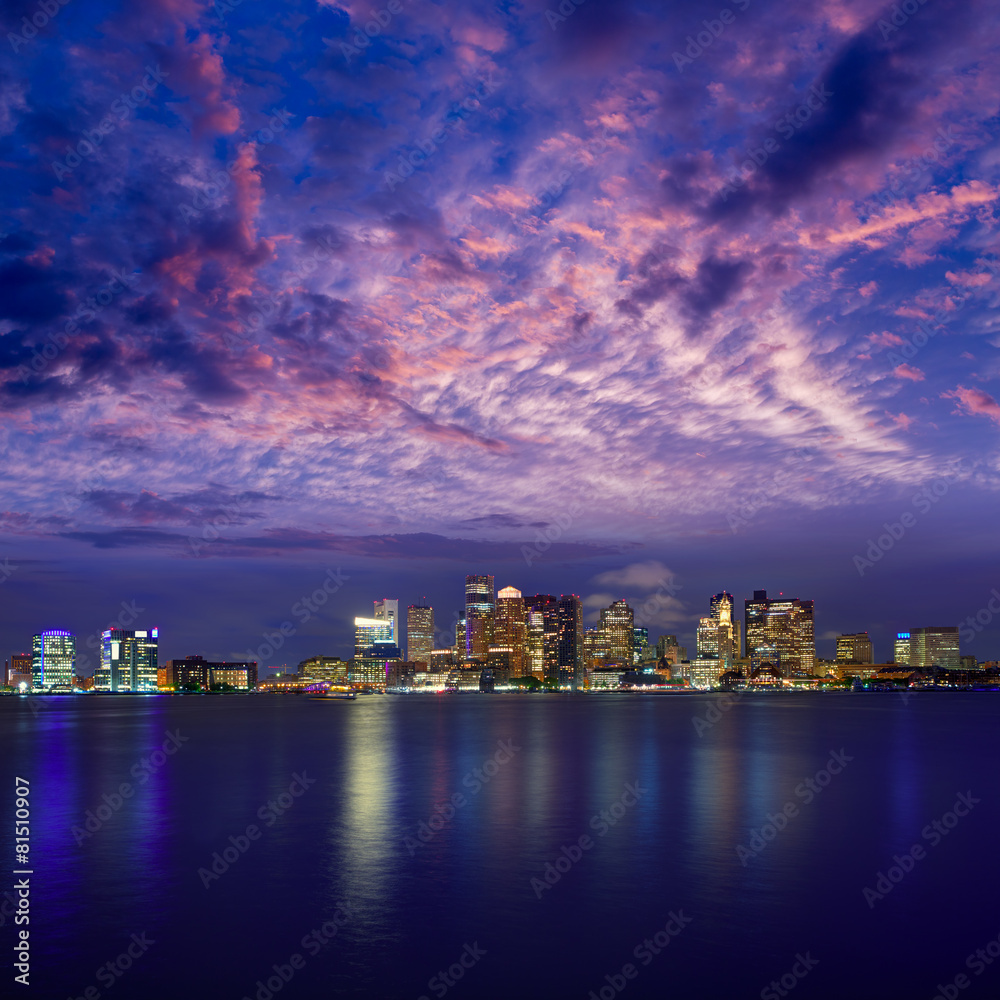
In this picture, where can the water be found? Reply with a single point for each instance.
(403, 909)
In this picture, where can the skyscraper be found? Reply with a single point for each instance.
(617, 623)
(569, 637)
(369, 631)
(901, 648)
(129, 660)
(935, 646)
(53, 657)
(511, 630)
(854, 647)
(480, 607)
(419, 633)
(535, 643)
(548, 607)
(387, 610)
(786, 624)
(716, 640)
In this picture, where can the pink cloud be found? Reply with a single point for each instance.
(908, 371)
(975, 401)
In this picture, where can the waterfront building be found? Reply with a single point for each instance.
(53, 658)
(854, 647)
(786, 623)
(129, 660)
(510, 633)
(480, 608)
(419, 632)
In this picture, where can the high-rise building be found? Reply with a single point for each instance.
(854, 647)
(548, 607)
(387, 610)
(129, 660)
(371, 631)
(901, 649)
(569, 637)
(510, 631)
(53, 657)
(617, 623)
(640, 642)
(419, 633)
(535, 643)
(785, 624)
(480, 607)
(595, 648)
(935, 646)
(715, 635)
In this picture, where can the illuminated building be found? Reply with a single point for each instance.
(667, 649)
(595, 648)
(854, 647)
(901, 648)
(19, 670)
(935, 646)
(53, 657)
(195, 672)
(387, 610)
(370, 631)
(640, 643)
(535, 643)
(480, 606)
(569, 637)
(510, 632)
(617, 623)
(128, 660)
(548, 607)
(419, 633)
(324, 668)
(705, 672)
(784, 623)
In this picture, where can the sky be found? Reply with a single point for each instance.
(617, 299)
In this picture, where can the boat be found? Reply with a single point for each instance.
(334, 696)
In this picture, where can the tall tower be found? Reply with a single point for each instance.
(480, 607)
(935, 646)
(511, 630)
(716, 634)
(617, 624)
(53, 657)
(387, 610)
(569, 642)
(535, 642)
(548, 607)
(419, 632)
(901, 649)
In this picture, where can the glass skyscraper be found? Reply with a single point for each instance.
(53, 657)
(129, 660)
(480, 607)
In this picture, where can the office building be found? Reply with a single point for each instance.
(480, 607)
(569, 637)
(387, 610)
(935, 646)
(419, 633)
(787, 625)
(617, 624)
(129, 661)
(510, 633)
(715, 635)
(369, 632)
(548, 607)
(854, 647)
(18, 670)
(535, 643)
(324, 668)
(198, 674)
(53, 657)
(901, 648)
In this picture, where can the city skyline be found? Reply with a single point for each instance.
(510, 625)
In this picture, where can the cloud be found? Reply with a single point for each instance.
(975, 402)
